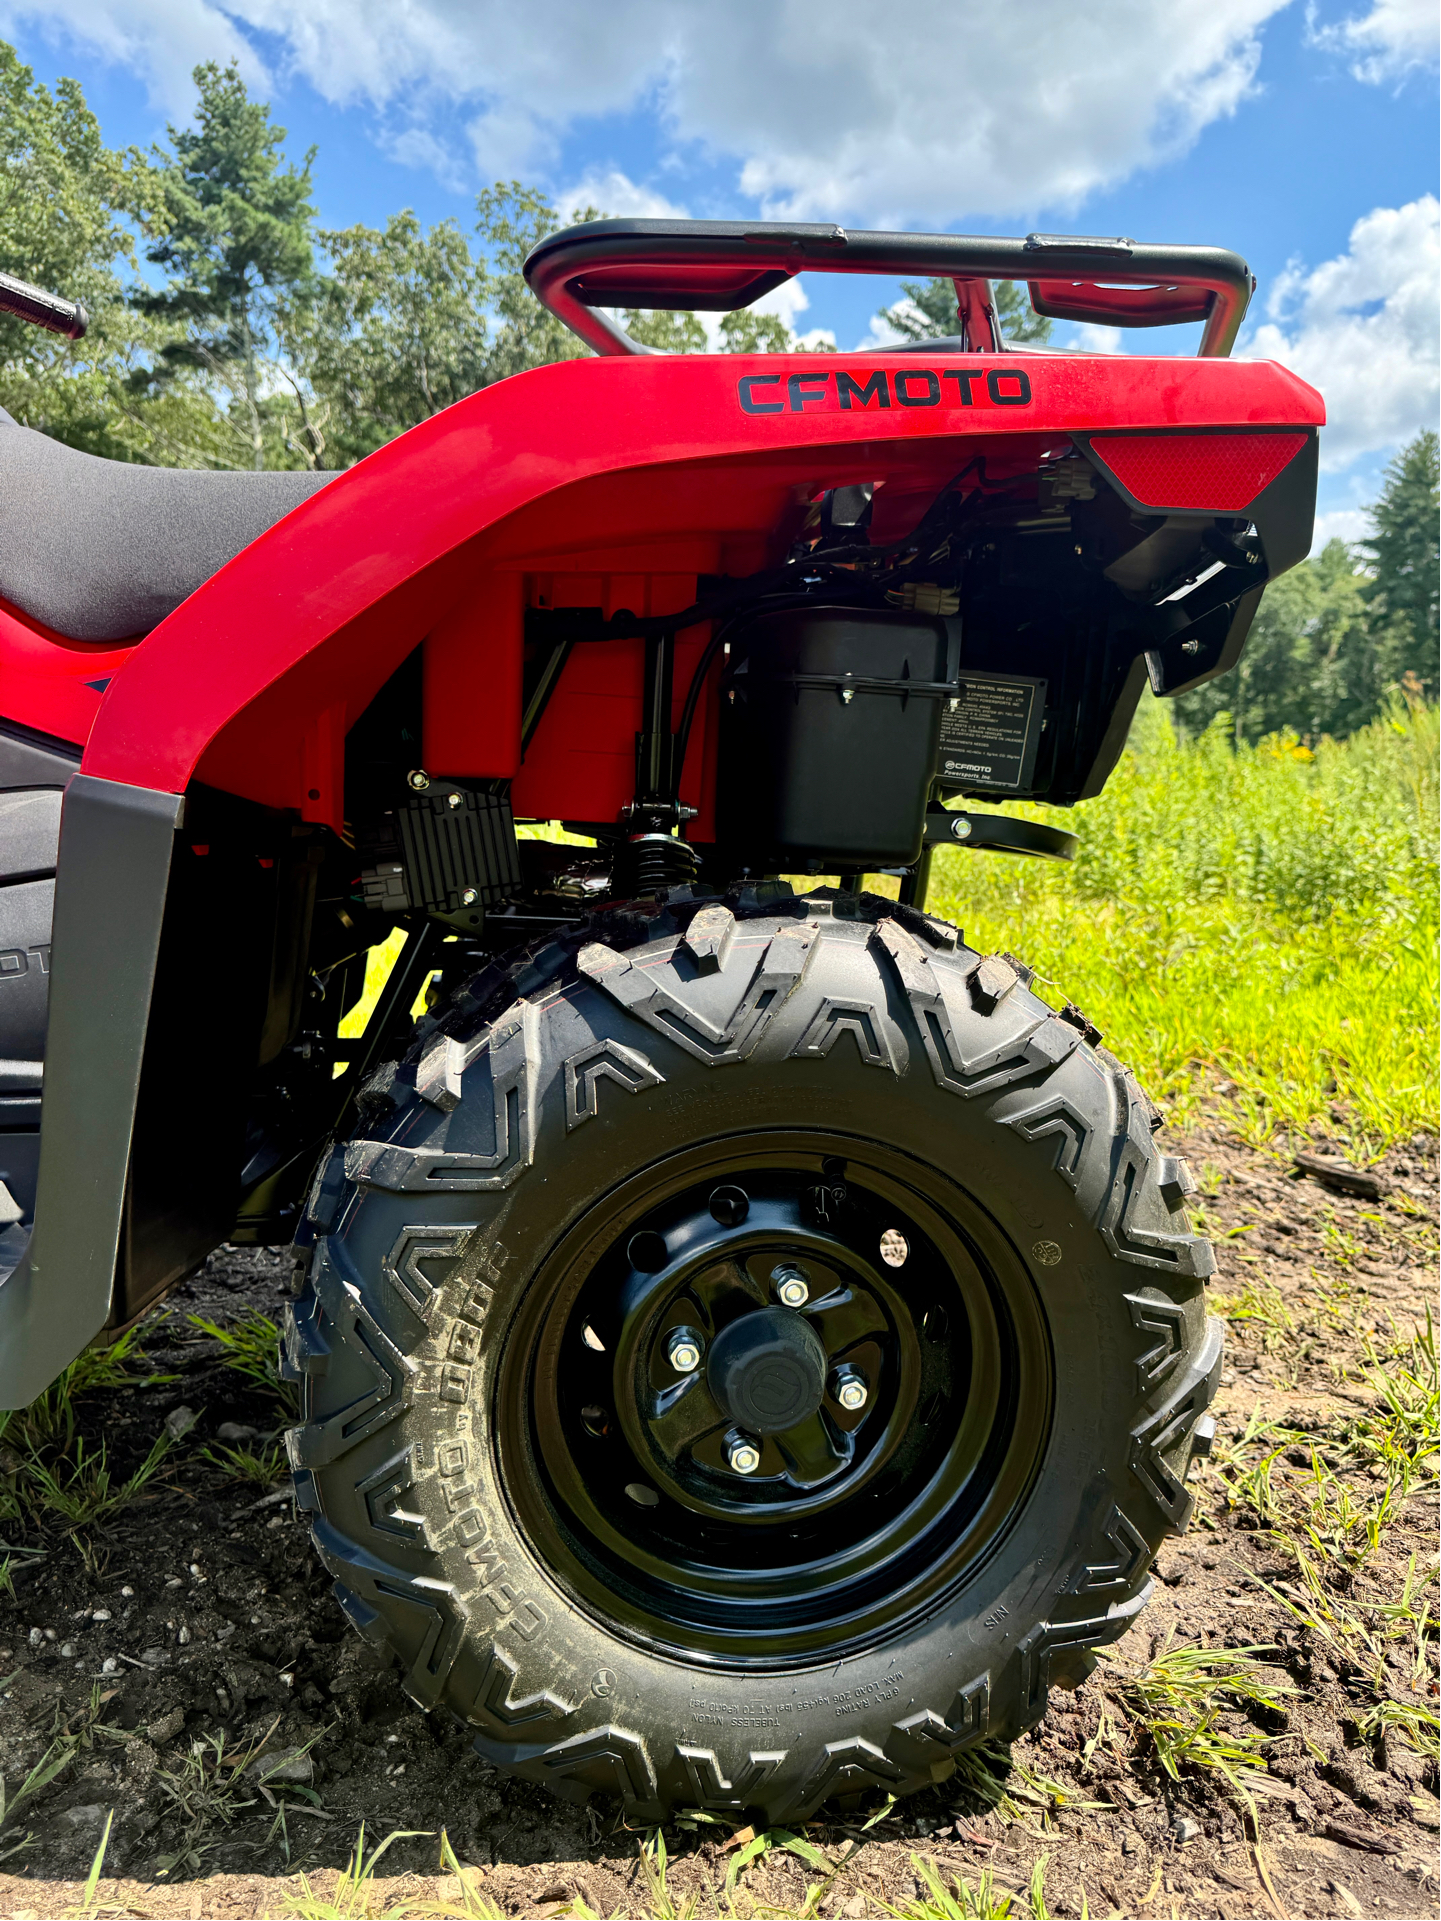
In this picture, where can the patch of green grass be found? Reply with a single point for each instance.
(1328, 1502)
(986, 1901)
(357, 1896)
(1401, 1437)
(206, 1793)
(772, 1840)
(69, 1737)
(50, 1476)
(264, 1466)
(1259, 1313)
(49, 1422)
(79, 1490)
(251, 1347)
(1262, 915)
(1188, 1706)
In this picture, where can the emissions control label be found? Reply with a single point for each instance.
(990, 732)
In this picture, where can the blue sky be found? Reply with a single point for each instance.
(1305, 137)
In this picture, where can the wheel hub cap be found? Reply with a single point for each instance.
(768, 1370)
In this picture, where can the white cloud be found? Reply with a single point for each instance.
(1387, 42)
(163, 40)
(951, 112)
(1093, 339)
(1363, 329)
(418, 147)
(1341, 523)
(617, 195)
(881, 334)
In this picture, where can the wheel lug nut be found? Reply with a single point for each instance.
(792, 1289)
(743, 1456)
(848, 1385)
(683, 1349)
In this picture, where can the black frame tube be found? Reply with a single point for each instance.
(1069, 271)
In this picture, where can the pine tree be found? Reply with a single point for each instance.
(928, 312)
(231, 226)
(1405, 565)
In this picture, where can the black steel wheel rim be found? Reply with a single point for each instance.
(896, 1413)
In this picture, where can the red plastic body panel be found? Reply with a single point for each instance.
(657, 469)
(473, 662)
(1196, 473)
(50, 683)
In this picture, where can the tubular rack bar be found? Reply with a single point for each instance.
(719, 266)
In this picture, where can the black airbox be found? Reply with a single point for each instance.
(830, 726)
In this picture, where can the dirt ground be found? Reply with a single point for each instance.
(150, 1652)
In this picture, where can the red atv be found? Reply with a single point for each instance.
(752, 1347)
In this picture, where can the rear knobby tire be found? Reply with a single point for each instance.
(508, 1500)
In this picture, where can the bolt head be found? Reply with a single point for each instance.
(850, 1389)
(961, 828)
(791, 1287)
(743, 1455)
(417, 779)
(454, 800)
(469, 897)
(684, 1349)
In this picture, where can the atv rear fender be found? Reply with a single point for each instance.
(627, 488)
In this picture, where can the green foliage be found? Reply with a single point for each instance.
(78, 1490)
(49, 1478)
(251, 1347)
(265, 1466)
(928, 312)
(773, 1839)
(1264, 914)
(670, 333)
(986, 1901)
(1307, 665)
(1337, 634)
(512, 219)
(205, 1794)
(743, 332)
(396, 333)
(67, 208)
(50, 1419)
(78, 1732)
(230, 223)
(746, 332)
(1329, 1500)
(1189, 1705)
(353, 1897)
(1404, 560)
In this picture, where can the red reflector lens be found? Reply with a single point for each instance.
(1200, 473)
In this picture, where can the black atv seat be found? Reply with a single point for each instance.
(102, 550)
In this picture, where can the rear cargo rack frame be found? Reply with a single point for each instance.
(721, 266)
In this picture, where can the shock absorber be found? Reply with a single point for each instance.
(650, 863)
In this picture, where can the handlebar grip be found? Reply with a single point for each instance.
(42, 309)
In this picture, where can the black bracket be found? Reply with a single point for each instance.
(998, 834)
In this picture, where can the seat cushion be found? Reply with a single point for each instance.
(103, 550)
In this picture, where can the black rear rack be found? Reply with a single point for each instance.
(720, 266)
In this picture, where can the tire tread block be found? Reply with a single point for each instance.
(1171, 1423)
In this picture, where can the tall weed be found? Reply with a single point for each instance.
(1265, 915)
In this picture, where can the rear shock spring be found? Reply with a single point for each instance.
(652, 863)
